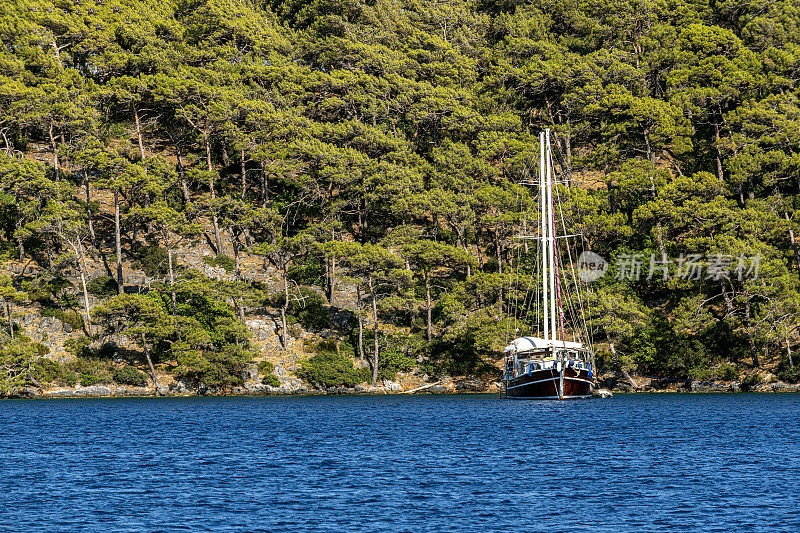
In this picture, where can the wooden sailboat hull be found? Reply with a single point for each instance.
(544, 385)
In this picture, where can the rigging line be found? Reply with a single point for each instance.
(556, 262)
(527, 291)
(525, 307)
(570, 304)
(530, 278)
(513, 281)
(574, 276)
(576, 315)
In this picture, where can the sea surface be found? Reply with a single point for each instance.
(401, 463)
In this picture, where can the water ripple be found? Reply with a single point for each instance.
(398, 463)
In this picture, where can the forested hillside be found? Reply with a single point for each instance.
(354, 170)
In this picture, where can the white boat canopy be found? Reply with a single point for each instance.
(526, 344)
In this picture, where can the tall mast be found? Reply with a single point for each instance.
(552, 241)
(545, 224)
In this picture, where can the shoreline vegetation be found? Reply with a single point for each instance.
(200, 195)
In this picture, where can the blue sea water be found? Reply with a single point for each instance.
(401, 463)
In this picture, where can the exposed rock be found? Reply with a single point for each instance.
(179, 387)
(391, 386)
(255, 388)
(436, 389)
(262, 329)
(93, 390)
(471, 385)
(133, 391)
(698, 386)
(26, 392)
(780, 386)
(250, 373)
(622, 386)
(60, 393)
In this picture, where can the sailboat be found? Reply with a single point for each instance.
(549, 366)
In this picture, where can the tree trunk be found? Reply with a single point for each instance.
(284, 307)
(727, 298)
(499, 258)
(375, 333)
(149, 361)
(226, 160)
(264, 187)
(172, 281)
(361, 355)
(11, 325)
(118, 242)
(182, 174)
(333, 280)
(138, 130)
(794, 243)
(789, 353)
(214, 219)
(89, 220)
(244, 176)
(57, 54)
(429, 330)
(720, 171)
(82, 269)
(55, 150)
(751, 344)
(237, 270)
(462, 243)
(328, 293)
(21, 248)
(659, 228)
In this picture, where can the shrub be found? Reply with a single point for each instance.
(271, 380)
(102, 286)
(40, 349)
(310, 310)
(751, 381)
(309, 272)
(153, 260)
(331, 370)
(79, 346)
(790, 375)
(68, 379)
(71, 317)
(395, 361)
(87, 380)
(89, 371)
(46, 370)
(128, 375)
(295, 330)
(727, 372)
(45, 289)
(221, 260)
(328, 346)
(723, 372)
(265, 368)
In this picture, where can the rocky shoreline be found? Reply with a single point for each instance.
(615, 384)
